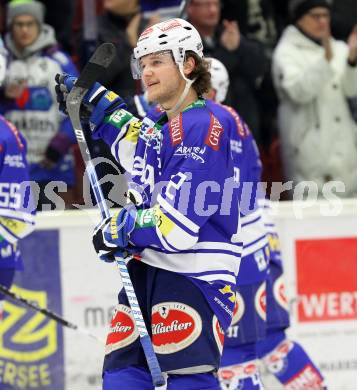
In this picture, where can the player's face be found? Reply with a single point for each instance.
(316, 23)
(205, 13)
(121, 7)
(161, 78)
(25, 30)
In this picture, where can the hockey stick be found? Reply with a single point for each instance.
(100, 61)
(50, 314)
(183, 7)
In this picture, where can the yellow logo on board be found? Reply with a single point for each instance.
(37, 329)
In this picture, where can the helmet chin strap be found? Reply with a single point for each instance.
(184, 94)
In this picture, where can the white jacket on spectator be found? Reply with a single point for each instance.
(318, 134)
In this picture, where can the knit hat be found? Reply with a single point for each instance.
(298, 8)
(25, 7)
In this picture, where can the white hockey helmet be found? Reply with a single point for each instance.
(219, 79)
(175, 35)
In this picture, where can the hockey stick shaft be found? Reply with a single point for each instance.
(87, 78)
(183, 7)
(50, 314)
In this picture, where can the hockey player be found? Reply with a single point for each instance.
(239, 365)
(285, 359)
(261, 313)
(178, 168)
(16, 207)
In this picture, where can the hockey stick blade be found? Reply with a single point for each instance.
(47, 313)
(95, 67)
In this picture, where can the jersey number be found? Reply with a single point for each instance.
(10, 196)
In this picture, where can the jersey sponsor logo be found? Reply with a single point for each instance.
(218, 333)
(280, 293)
(242, 128)
(175, 326)
(214, 133)
(231, 377)
(260, 301)
(111, 96)
(146, 32)
(176, 130)
(276, 361)
(122, 331)
(14, 161)
(35, 99)
(326, 292)
(239, 309)
(193, 152)
(119, 118)
(306, 379)
(133, 131)
(170, 25)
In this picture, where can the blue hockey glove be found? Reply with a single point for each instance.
(112, 234)
(98, 100)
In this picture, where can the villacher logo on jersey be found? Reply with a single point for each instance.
(175, 326)
(331, 294)
(122, 330)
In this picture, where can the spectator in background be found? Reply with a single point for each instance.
(59, 15)
(29, 100)
(314, 74)
(343, 18)
(245, 59)
(263, 21)
(119, 24)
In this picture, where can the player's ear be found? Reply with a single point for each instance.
(189, 65)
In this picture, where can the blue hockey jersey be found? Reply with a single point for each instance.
(181, 174)
(248, 169)
(272, 233)
(16, 204)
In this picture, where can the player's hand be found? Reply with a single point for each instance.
(230, 38)
(98, 100)
(64, 85)
(352, 44)
(112, 234)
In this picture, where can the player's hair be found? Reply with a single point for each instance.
(201, 73)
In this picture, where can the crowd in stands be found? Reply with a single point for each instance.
(292, 67)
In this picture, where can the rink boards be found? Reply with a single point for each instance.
(63, 274)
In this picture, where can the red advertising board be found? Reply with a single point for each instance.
(326, 271)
